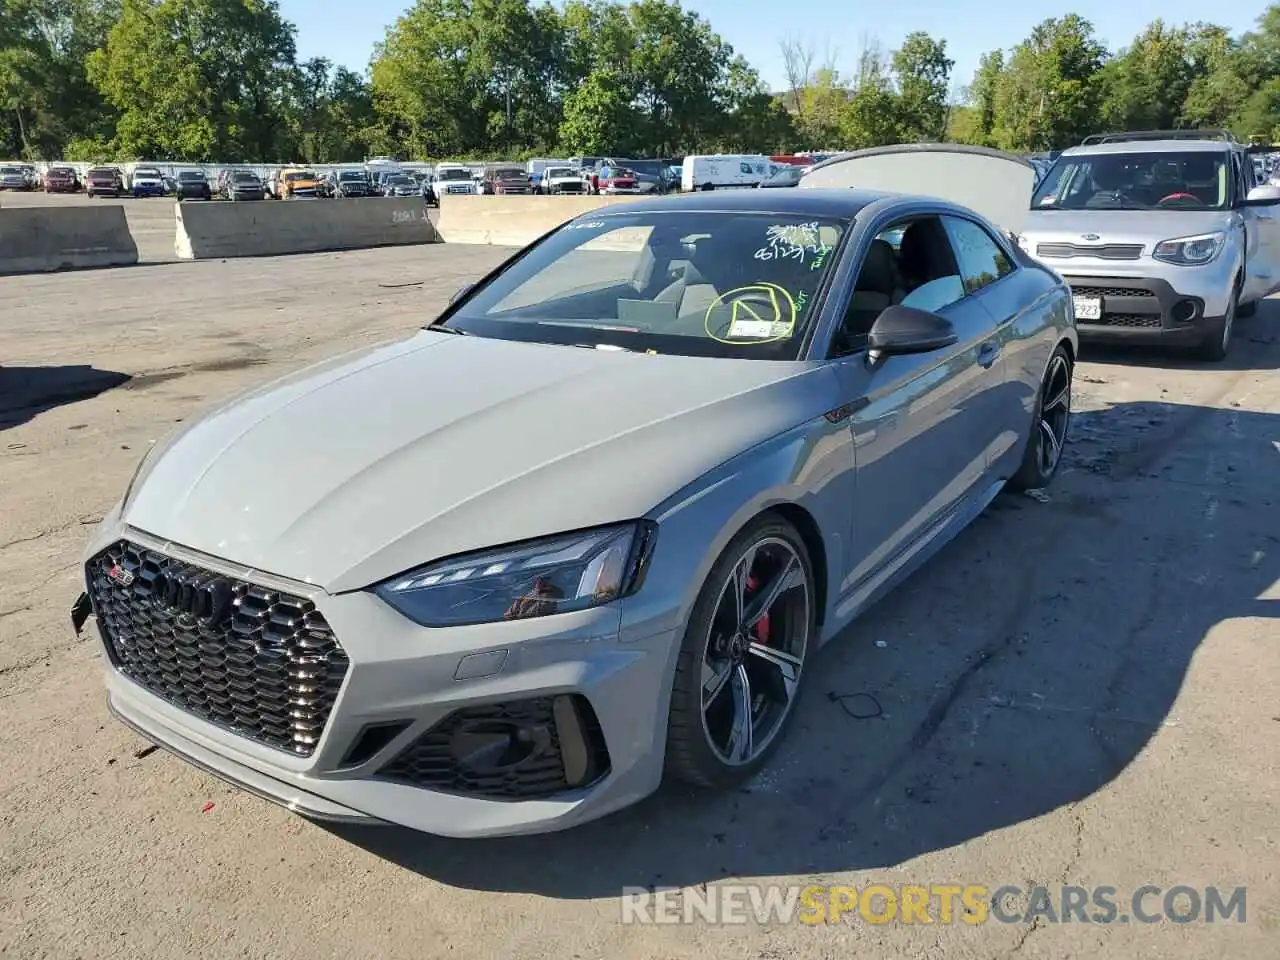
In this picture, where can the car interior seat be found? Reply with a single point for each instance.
(879, 285)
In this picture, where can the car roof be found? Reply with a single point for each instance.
(819, 203)
(1151, 146)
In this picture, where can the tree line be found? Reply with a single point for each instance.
(208, 80)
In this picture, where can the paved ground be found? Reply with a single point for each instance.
(1079, 691)
(150, 218)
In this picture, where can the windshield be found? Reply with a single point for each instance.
(350, 175)
(728, 284)
(649, 168)
(1194, 180)
(192, 175)
(306, 175)
(10, 171)
(560, 172)
(454, 175)
(146, 172)
(398, 181)
(509, 173)
(102, 172)
(244, 177)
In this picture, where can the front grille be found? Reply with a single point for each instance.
(256, 661)
(1106, 251)
(1110, 291)
(517, 750)
(1150, 320)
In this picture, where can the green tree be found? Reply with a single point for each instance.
(599, 117)
(197, 79)
(1049, 93)
(923, 72)
(1146, 85)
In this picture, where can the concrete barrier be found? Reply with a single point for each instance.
(44, 239)
(512, 221)
(269, 228)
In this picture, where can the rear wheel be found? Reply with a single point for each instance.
(1048, 434)
(741, 663)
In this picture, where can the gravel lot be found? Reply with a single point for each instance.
(1081, 690)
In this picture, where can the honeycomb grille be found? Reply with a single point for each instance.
(1110, 292)
(256, 661)
(499, 751)
(1150, 320)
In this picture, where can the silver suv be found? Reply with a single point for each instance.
(1163, 236)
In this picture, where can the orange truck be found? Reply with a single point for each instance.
(297, 182)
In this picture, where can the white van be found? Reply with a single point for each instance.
(718, 171)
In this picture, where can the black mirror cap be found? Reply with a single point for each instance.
(900, 330)
(461, 292)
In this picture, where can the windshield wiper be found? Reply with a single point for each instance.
(453, 330)
(608, 347)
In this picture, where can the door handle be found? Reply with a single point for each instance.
(987, 354)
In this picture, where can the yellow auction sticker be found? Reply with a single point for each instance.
(757, 313)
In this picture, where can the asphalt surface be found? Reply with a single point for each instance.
(1080, 690)
(150, 218)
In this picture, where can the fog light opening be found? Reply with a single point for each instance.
(1184, 311)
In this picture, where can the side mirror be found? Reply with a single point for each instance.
(1263, 195)
(902, 330)
(461, 292)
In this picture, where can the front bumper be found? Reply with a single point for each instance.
(416, 682)
(148, 190)
(1143, 309)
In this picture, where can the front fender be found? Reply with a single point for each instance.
(810, 467)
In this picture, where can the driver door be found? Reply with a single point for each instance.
(912, 421)
(1262, 236)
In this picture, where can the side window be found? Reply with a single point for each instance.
(745, 167)
(909, 263)
(982, 262)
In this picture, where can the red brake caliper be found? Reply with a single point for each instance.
(762, 625)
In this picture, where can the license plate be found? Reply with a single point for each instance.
(1088, 308)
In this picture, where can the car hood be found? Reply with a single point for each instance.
(1147, 227)
(362, 467)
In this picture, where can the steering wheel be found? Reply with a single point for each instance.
(1178, 198)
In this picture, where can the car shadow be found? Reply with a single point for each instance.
(1251, 337)
(26, 392)
(1018, 672)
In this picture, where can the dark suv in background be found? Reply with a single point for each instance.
(505, 180)
(104, 182)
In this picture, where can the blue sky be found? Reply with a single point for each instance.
(345, 32)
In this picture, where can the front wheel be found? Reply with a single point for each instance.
(1217, 342)
(1048, 433)
(742, 659)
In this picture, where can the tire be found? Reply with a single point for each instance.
(693, 754)
(1040, 461)
(1217, 342)
(708, 187)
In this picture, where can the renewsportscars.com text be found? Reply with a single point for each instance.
(971, 904)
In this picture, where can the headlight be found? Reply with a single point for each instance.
(1190, 251)
(533, 579)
